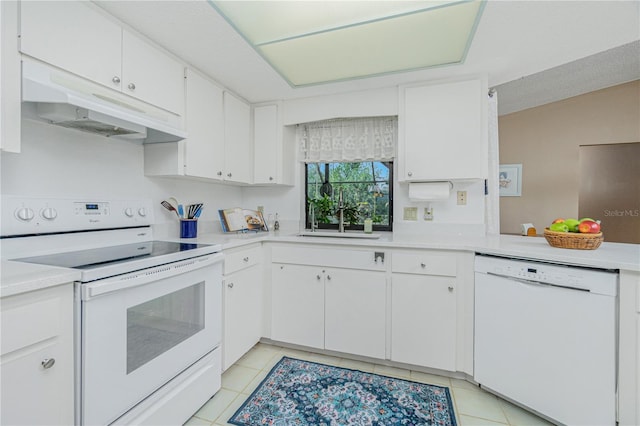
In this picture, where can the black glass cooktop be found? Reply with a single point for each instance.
(104, 256)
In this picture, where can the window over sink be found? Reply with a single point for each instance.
(367, 189)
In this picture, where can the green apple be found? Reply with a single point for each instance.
(572, 224)
(559, 227)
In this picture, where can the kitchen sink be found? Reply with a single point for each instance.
(336, 234)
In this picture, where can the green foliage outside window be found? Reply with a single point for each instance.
(367, 193)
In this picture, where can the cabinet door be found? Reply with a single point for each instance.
(150, 75)
(204, 147)
(355, 312)
(242, 313)
(75, 37)
(423, 320)
(297, 307)
(238, 153)
(10, 101)
(441, 132)
(266, 144)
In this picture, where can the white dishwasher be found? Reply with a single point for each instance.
(545, 337)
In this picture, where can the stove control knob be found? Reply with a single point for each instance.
(24, 214)
(142, 212)
(49, 213)
(128, 212)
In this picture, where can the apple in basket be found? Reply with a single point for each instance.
(589, 227)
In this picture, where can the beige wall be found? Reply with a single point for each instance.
(546, 140)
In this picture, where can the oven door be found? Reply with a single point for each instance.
(141, 329)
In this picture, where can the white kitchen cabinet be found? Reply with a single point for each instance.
(355, 312)
(36, 359)
(329, 298)
(201, 154)
(273, 154)
(243, 295)
(10, 101)
(238, 152)
(442, 131)
(78, 37)
(424, 323)
(297, 307)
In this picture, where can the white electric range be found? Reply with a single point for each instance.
(147, 313)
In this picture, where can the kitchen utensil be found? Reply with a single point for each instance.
(173, 202)
(198, 211)
(180, 210)
(169, 207)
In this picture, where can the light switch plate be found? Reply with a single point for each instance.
(428, 213)
(410, 213)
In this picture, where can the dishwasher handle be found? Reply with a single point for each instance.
(536, 283)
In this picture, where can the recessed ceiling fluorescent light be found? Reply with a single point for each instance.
(312, 42)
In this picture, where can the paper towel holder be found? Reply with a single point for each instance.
(429, 194)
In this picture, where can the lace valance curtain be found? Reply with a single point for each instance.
(348, 140)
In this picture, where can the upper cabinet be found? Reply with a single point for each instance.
(79, 38)
(218, 146)
(10, 118)
(442, 131)
(238, 149)
(273, 154)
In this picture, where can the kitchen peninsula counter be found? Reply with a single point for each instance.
(607, 256)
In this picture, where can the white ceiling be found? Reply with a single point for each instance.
(514, 40)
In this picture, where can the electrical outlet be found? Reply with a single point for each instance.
(428, 213)
(410, 213)
(462, 198)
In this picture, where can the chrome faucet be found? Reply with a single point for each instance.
(340, 212)
(312, 218)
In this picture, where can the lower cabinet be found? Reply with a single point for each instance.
(297, 309)
(329, 306)
(243, 295)
(424, 325)
(36, 362)
(355, 312)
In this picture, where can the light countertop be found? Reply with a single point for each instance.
(20, 277)
(607, 256)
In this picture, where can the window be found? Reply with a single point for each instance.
(367, 193)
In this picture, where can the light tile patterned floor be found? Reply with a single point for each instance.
(473, 406)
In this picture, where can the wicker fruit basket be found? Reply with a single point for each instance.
(572, 240)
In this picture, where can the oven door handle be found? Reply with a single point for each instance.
(145, 276)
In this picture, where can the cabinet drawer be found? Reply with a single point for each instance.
(241, 259)
(329, 257)
(29, 324)
(425, 263)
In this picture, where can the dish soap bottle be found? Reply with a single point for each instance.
(368, 225)
(276, 224)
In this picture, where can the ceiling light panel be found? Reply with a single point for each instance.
(312, 42)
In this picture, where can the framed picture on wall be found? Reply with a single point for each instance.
(510, 179)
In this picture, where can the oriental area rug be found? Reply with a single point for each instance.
(303, 393)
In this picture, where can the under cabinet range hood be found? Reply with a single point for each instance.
(66, 100)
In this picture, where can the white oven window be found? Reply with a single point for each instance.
(155, 326)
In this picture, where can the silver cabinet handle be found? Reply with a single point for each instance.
(230, 285)
(116, 79)
(318, 277)
(219, 173)
(410, 174)
(48, 363)
(228, 174)
(423, 265)
(270, 177)
(131, 86)
(328, 277)
(246, 259)
(450, 289)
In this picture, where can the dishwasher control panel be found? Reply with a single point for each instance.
(588, 279)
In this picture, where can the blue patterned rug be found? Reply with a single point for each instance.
(302, 393)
